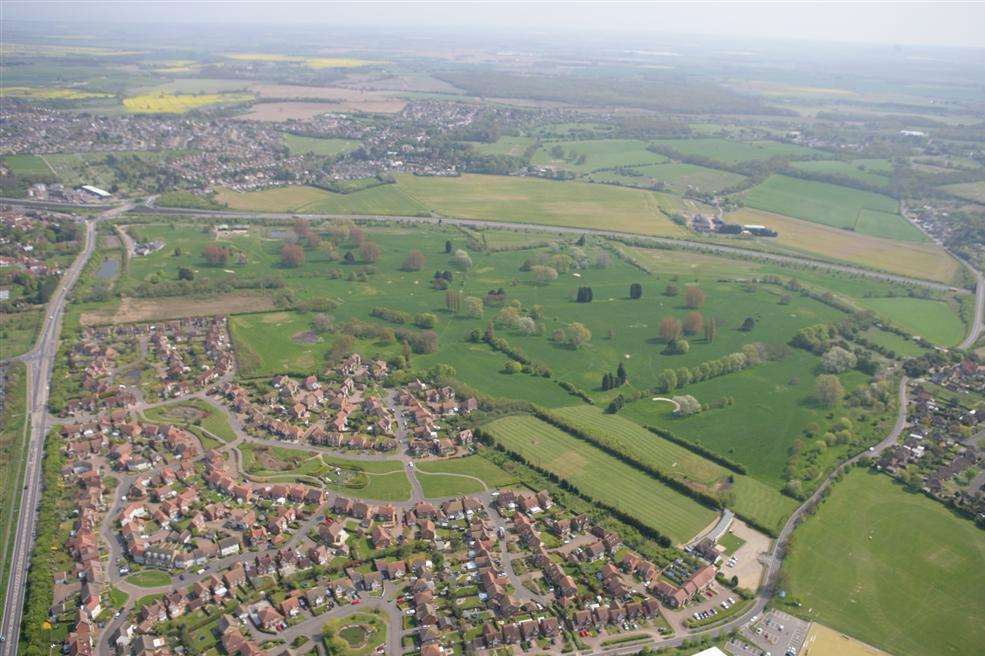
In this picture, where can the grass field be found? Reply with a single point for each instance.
(474, 465)
(773, 406)
(18, 331)
(602, 477)
(597, 154)
(833, 205)
(935, 321)
(196, 414)
(48, 93)
(512, 146)
(357, 634)
(533, 200)
(893, 569)
(923, 260)
(753, 499)
(27, 165)
(973, 191)
(733, 152)
(678, 176)
(165, 103)
(870, 171)
(385, 199)
(299, 145)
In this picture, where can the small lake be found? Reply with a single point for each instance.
(108, 269)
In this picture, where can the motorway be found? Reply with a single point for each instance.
(39, 361)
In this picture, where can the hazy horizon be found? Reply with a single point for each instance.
(954, 24)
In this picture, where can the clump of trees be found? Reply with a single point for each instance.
(829, 390)
(291, 256)
(693, 297)
(461, 260)
(687, 405)
(574, 335)
(215, 255)
(414, 261)
(670, 329)
(837, 360)
(635, 291)
(612, 381)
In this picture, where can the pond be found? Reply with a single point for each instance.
(108, 269)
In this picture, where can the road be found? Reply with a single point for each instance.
(978, 320)
(39, 361)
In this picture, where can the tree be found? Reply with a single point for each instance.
(543, 274)
(667, 380)
(621, 377)
(670, 289)
(184, 273)
(578, 335)
(711, 330)
(291, 255)
(635, 291)
(607, 383)
(693, 297)
(415, 261)
(448, 247)
(678, 346)
(215, 255)
(603, 260)
(837, 360)
(474, 307)
(829, 390)
(461, 260)
(747, 324)
(693, 323)
(526, 325)
(687, 405)
(369, 252)
(670, 329)
(558, 336)
(323, 323)
(425, 320)
(584, 295)
(512, 367)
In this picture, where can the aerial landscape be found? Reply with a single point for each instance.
(501, 329)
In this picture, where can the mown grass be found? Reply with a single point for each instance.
(936, 321)
(149, 578)
(892, 568)
(385, 199)
(602, 477)
(474, 465)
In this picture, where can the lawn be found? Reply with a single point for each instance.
(27, 165)
(358, 634)
(149, 578)
(196, 414)
(935, 321)
(752, 498)
(442, 478)
(299, 145)
(833, 205)
(547, 202)
(602, 477)
(891, 568)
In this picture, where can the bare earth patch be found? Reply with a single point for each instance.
(133, 310)
(306, 337)
(342, 100)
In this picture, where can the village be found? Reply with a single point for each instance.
(166, 515)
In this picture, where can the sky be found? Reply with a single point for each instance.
(895, 23)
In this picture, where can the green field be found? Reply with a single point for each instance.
(384, 199)
(602, 477)
(597, 154)
(14, 426)
(752, 498)
(18, 331)
(299, 145)
(935, 321)
(474, 465)
(840, 207)
(774, 404)
(734, 152)
(894, 569)
(512, 146)
(27, 165)
(973, 191)
(546, 202)
(149, 578)
(870, 171)
(196, 414)
(678, 177)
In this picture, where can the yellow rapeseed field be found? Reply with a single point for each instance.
(166, 103)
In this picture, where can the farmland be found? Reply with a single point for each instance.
(892, 568)
(385, 199)
(874, 172)
(47, 93)
(833, 205)
(973, 191)
(584, 156)
(313, 62)
(601, 476)
(164, 103)
(677, 176)
(733, 152)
